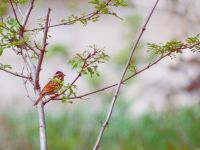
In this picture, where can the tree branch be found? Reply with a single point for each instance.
(16, 74)
(38, 68)
(15, 12)
(131, 76)
(40, 106)
(35, 75)
(28, 14)
(85, 17)
(109, 114)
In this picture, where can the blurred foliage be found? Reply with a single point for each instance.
(130, 28)
(3, 7)
(95, 81)
(58, 49)
(77, 130)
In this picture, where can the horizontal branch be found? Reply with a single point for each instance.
(16, 74)
(85, 17)
(134, 74)
(113, 85)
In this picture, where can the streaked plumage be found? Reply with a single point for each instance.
(52, 86)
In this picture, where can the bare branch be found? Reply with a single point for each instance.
(26, 89)
(105, 124)
(18, 8)
(46, 28)
(14, 12)
(16, 74)
(28, 14)
(31, 48)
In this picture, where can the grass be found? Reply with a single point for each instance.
(169, 130)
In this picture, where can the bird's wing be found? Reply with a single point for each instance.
(51, 87)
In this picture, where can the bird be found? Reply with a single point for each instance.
(52, 86)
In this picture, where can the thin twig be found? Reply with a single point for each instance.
(85, 17)
(17, 6)
(38, 68)
(109, 114)
(28, 14)
(128, 78)
(15, 12)
(31, 48)
(25, 86)
(16, 74)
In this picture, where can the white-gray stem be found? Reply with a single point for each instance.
(42, 124)
(34, 74)
(40, 107)
(109, 114)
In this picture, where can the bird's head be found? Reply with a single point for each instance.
(59, 75)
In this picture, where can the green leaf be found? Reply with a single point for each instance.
(12, 22)
(192, 40)
(90, 70)
(94, 2)
(3, 8)
(121, 3)
(58, 49)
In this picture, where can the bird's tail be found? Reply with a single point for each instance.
(38, 100)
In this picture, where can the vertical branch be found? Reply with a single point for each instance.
(28, 14)
(35, 71)
(41, 56)
(109, 114)
(40, 107)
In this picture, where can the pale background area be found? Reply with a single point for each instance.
(149, 90)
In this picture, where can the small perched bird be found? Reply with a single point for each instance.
(52, 86)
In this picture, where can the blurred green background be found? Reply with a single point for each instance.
(76, 130)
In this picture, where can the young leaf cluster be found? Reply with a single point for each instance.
(70, 91)
(9, 34)
(87, 62)
(192, 43)
(100, 6)
(103, 7)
